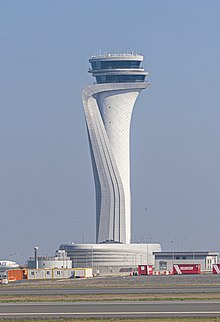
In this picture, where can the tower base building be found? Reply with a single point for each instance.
(111, 258)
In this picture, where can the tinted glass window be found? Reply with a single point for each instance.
(118, 64)
(120, 78)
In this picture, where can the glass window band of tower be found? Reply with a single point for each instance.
(120, 78)
(116, 64)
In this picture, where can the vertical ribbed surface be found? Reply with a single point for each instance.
(108, 109)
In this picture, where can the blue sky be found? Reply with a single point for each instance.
(47, 193)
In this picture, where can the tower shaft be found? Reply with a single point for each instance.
(108, 107)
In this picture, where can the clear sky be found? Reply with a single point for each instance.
(47, 194)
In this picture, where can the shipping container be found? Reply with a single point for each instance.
(15, 274)
(182, 269)
(216, 269)
(145, 270)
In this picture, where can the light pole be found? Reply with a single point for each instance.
(92, 258)
(172, 251)
(147, 254)
(193, 250)
(36, 256)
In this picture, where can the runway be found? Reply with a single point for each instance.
(110, 309)
(115, 290)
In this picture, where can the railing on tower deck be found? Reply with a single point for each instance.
(106, 55)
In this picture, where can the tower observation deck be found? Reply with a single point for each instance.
(108, 106)
(123, 68)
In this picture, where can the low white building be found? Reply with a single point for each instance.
(60, 260)
(58, 273)
(164, 261)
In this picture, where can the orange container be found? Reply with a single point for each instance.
(15, 274)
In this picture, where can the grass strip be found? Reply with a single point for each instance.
(108, 297)
(195, 319)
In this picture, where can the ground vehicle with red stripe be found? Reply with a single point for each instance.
(182, 269)
(216, 269)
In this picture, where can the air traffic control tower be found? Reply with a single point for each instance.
(108, 108)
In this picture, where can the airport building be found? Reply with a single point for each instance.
(111, 258)
(60, 260)
(108, 106)
(164, 261)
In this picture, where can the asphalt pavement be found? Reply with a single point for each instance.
(115, 290)
(111, 309)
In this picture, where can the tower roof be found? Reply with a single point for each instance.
(124, 56)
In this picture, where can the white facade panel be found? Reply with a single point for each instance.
(108, 109)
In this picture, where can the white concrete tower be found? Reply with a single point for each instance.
(108, 106)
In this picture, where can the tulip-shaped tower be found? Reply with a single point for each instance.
(108, 106)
